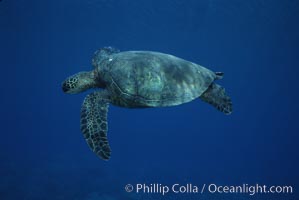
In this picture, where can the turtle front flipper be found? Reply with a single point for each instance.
(94, 123)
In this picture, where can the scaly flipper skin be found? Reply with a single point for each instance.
(216, 96)
(94, 123)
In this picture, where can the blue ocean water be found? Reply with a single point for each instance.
(42, 152)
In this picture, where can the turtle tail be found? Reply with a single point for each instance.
(216, 96)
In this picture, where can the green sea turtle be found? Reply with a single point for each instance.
(139, 79)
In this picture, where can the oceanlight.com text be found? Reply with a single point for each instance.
(250, 189)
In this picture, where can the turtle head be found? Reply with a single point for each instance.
(79, 82)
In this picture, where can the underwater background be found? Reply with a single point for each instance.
(43, 155)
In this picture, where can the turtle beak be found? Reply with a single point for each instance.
(65, 87)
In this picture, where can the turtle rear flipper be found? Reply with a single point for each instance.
(94, 123)
(216, 96)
